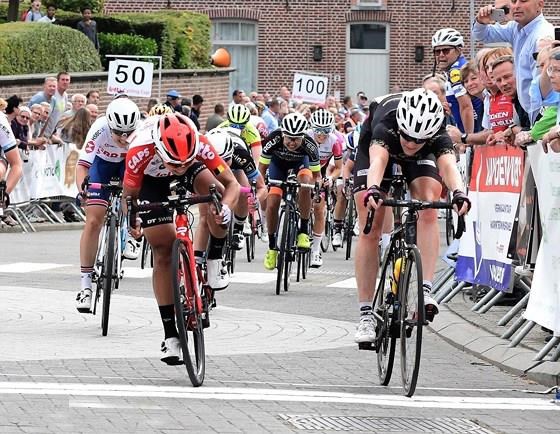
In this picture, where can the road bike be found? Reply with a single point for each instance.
(398, 303)
(191, 294)
(350, 218)
(330, 203)
(255, 222)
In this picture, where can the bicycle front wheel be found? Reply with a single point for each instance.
(349, 225)
(411, 297)
(188, 312)
(109, 272)
(283, 246)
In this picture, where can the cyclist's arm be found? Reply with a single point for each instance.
(16, 169)
(231, 192)
(347, 169)
(378, 157)
(81, 173)
(337, 168)
(447, 167)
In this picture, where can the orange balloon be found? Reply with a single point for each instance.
(221, 58)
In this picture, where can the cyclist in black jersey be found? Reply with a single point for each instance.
(9, 159)
(406, 129)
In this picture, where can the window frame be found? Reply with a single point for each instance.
(368, 50)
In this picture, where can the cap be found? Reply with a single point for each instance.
(173, 94)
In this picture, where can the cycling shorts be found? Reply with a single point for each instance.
(279, 169)
(102, 171)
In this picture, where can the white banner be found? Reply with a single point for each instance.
(310, 88)
(47, 173)
(544, 301)
(130, 77)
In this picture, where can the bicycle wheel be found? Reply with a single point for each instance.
(188, 312)
(449, 229)
(290, 252)
(108, 272)
(282, 250)
(146, 252)
(386, 323)
(349, 225)
(326, 239)
(411, 296)
(250, 242)
(230, 251)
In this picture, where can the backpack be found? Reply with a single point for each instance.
(24, 14)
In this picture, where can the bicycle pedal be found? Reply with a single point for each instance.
(367, 346)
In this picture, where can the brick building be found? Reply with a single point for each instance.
(368, 45)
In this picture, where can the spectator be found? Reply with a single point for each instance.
(34, 14)
(256, 120)
(216, 118)
(436, 83)
(352, 121)
(253, 96)
(270, 114)
(362, 100)
(78, 101)
(523, 33)
(49, 89)
(46, 111)
(89, 27)
(172, 100)
(3, 104)
(93, 111)
(35, 123)
(93, 97)
(12, 109)
(186, 104)
(58, 103)
(75, 128)
(21, 130)
(346, 105)
(238, 95)
(50, 17)
(396, 89)
(197, 102)
(151, 103)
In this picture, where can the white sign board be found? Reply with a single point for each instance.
(130, 77)
(310, 88)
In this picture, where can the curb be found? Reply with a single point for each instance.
(476, 341)
(43, 227)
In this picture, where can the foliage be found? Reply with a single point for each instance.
(37, 48)
(112, 43)
(76, 5)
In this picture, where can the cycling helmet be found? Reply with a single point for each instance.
(160, 109)
(222, 141)
(122, 115)
(238, 114)
(447, 37)
(322, 119)
(176, 138)
(420, 114)
(294, 124)
(352, 139)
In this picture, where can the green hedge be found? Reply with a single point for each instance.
(38, 48)
(76, 5)
(112, 43)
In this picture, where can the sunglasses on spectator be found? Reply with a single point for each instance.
(123, 134)
(412, 139)
(444, 51)
(24, 117)
(326, 130)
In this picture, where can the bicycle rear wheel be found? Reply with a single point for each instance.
(250, 244)
(109, 272)
(411, 297)
(386, 325)
(326, 239)
(349, 225)
(188, 312)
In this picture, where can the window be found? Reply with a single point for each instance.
(370, 3)
(240, 39)
(368, 36)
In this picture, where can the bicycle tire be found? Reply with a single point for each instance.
(449, 229)
(109, 269)
(349, 232)
(230, 251)
(146, 252)
(282, 251)
(289, 258)
(250, 244)
(326, 238)
(411, 296)
(189, 318)
(386, 338)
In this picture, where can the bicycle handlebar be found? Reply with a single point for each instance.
(280, 183)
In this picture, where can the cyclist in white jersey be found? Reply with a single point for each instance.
(102, 158)
(9, 158)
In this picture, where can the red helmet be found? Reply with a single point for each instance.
(176, 138)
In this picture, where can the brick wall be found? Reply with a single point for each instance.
(212, 84)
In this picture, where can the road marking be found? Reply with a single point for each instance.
(136, 273)
(27, 267)
(250, 277)
(76, 404)
(346, 283)
(285, 395)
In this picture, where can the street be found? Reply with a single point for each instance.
(275, 364)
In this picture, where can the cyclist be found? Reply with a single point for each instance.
(232, 149)
(238, 117)
(330, 143)
(9, 159)
(406, 129)
(102, 158)
(160, 109)
(169, 147)
(289, 148)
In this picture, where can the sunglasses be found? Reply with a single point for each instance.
(123, 134)
(325, 131)
(294, 138)
(24, 117)
(412, 139)
(444, 51)
(177, 165)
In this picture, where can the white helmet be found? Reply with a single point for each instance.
(322, 119)
(420, 114)
(222, 141)
(447, 36)
(122, 115)
(238, 114)
(294, 124)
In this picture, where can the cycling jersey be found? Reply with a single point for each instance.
(331, 147)
(501, 112)
(242, 160)
(249, 133)
(273, 147)
(7, 138)
(454, 88)
(142, 158)
(99, 143)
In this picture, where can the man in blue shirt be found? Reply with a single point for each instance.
(447, 44)
(523, 33)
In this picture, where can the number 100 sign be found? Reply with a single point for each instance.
(310, 88)
(130, 77)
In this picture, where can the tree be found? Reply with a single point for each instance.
(13, 10)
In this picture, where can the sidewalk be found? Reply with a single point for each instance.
(42, 227)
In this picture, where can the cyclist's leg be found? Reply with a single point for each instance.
(277, 171)
(339, 211)
(202, 234)
(318, 225)
(304, 203)
(240, 212)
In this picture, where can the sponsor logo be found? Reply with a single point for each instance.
(137, 159)
(90, 146)
(455, 76)
(207, 152)
(497, 273)
(503, 170)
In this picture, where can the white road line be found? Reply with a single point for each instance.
(285, 395)
(27, 267)
(346, 283)
(75, 404)
(250, 277)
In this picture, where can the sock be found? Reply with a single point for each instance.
(167, 314)
(199, 256)
(238, 223)
(365, 309)
(304, 226)
(338, 226)
(216, 247)
(272, 241)
(85, 277)
(385, 240)
(316, 242)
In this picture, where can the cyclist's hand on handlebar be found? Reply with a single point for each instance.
(373, 197)
(461, 202)
(327, 182)
(223, 217)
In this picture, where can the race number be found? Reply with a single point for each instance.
(130, 77)
(310, 88)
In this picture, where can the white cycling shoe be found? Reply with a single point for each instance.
(431, 307)
(171, 352)
(366, 330)
(218, 276)
(316, 260)
(131, 249)
(337, 239)
(83, 301)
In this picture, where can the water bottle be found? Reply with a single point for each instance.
(396, 275)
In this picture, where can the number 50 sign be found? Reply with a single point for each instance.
(310, 88)
(130, 77)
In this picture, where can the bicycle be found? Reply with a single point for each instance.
(289, 218)
(330, 202)
(190, 292)
(255, 222)
(349, 218)
(146, 254)
(398, 303)
(107, 269)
